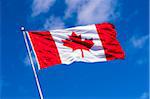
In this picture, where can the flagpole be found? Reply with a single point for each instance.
(32, 64)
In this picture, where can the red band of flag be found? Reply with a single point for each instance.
(45, 48)
(108, 37)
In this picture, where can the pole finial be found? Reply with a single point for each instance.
(22, 28)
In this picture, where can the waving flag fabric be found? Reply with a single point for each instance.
(91, 43)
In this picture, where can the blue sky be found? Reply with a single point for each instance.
(119, 79)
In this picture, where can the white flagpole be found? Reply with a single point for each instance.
(34, 71)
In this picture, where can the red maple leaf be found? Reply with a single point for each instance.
(75, 42)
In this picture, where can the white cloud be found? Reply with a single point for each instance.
(73, 6)
(85, 11)
(41, 6)
(91, 11)
(138, 42)
(95, 11)
(54, 23)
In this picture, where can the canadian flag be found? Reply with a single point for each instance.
(91, 43)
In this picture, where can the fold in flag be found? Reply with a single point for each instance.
(91, 43)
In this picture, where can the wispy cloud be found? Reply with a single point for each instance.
(27, 61)
(41, 6)
(86, 11)
(139, 42)
(135, 45)
(54, 23)
(145, 95)
(95, 11)
(73, 6)
(91, 11)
